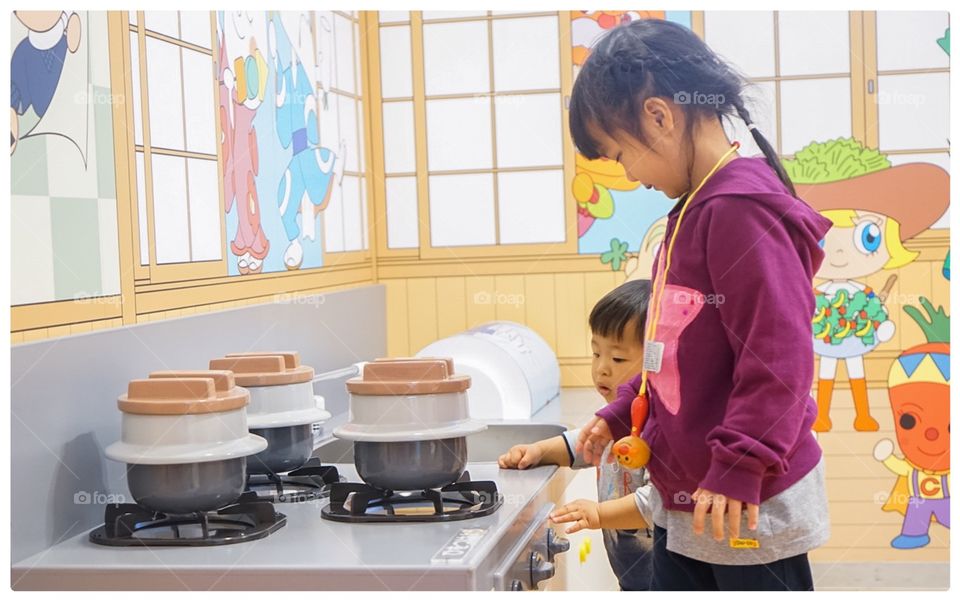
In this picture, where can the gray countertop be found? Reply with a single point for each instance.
(308, 552)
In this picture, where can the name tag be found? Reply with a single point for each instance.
(652, 356)
(744, 543)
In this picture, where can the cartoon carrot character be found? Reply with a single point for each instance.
(919, 387)
(866, 199)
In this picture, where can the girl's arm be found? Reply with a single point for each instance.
(617, 413)
(762, 269)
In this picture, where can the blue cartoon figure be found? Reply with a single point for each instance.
(37, 63)
(309, 179)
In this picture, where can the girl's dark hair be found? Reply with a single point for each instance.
(626, 302)
(647, 58)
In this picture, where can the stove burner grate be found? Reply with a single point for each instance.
(306, 483)
(128, 524)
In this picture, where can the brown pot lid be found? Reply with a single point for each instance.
(265, 368)
(408, 375)
(183, 393)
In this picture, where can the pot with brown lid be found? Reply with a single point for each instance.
(409, 420)
(185, 440)
(282, 407)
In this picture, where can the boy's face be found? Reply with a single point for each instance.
(616, 361)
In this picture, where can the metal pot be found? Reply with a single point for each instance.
(185, 488)
(288, 448)
(411, 465)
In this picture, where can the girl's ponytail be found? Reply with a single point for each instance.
(768, 150)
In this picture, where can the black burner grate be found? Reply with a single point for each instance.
(306, 483)
(358, 502)
(128, 524)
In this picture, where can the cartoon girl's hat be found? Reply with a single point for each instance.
(916, 195)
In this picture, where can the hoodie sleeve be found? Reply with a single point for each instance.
(760, 269)
(617, 413)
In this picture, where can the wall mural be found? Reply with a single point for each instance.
(63, 187)
(279, 169)
(614, 215)
(862, 194)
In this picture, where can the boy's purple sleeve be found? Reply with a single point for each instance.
(762, 271)
(617, 413)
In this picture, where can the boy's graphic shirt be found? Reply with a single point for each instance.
(730, 408)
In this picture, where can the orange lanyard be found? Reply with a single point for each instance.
(662, 276)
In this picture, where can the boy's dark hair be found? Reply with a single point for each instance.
(626, 302)
(648, 58)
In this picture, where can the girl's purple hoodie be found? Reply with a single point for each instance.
(730, 407)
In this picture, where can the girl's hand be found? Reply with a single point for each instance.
(521, 457)
(594, 437)
(705, 498)
(584, 514)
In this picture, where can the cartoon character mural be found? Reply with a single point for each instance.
(37, 64)
(593, 180)
(864, 196)
(919, 388)
(242, 82)
(313, 170)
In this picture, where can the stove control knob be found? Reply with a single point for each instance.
(556, 544)
(516, 585)
(540, 569)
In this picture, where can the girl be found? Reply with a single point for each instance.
(728, 353)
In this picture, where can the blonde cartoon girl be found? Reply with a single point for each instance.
(872, 214)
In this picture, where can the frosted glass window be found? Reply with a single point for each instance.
(531, 207)
(135, 88)
(352, 218)
(348, 132)
(361, 144)
(396, 74)
(363, 213)
(814, 42)
(170, 220)
(914, 110)
(200, 106)
(330, 122)
(403, 225)
(759, 100)
(333, 222)
(908, 40)
(195, 27)
(398, 137)
(164, 94)
(162, 21)
(455, 58)
(343, 39)
(133, 17)
(745, 38)
(394, 16)
(461, 210)
(452, 14)
(815, 109)
(142, 210)
(526, 54)
(529, 130)
(204, 190)
(458, 134)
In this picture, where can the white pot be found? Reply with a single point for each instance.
(284, 405)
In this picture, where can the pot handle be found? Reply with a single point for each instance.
(344, 372)
(319, 402)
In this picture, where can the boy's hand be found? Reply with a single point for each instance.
(584, 514)
(705, 498)
(521, 457)
(594, 437)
